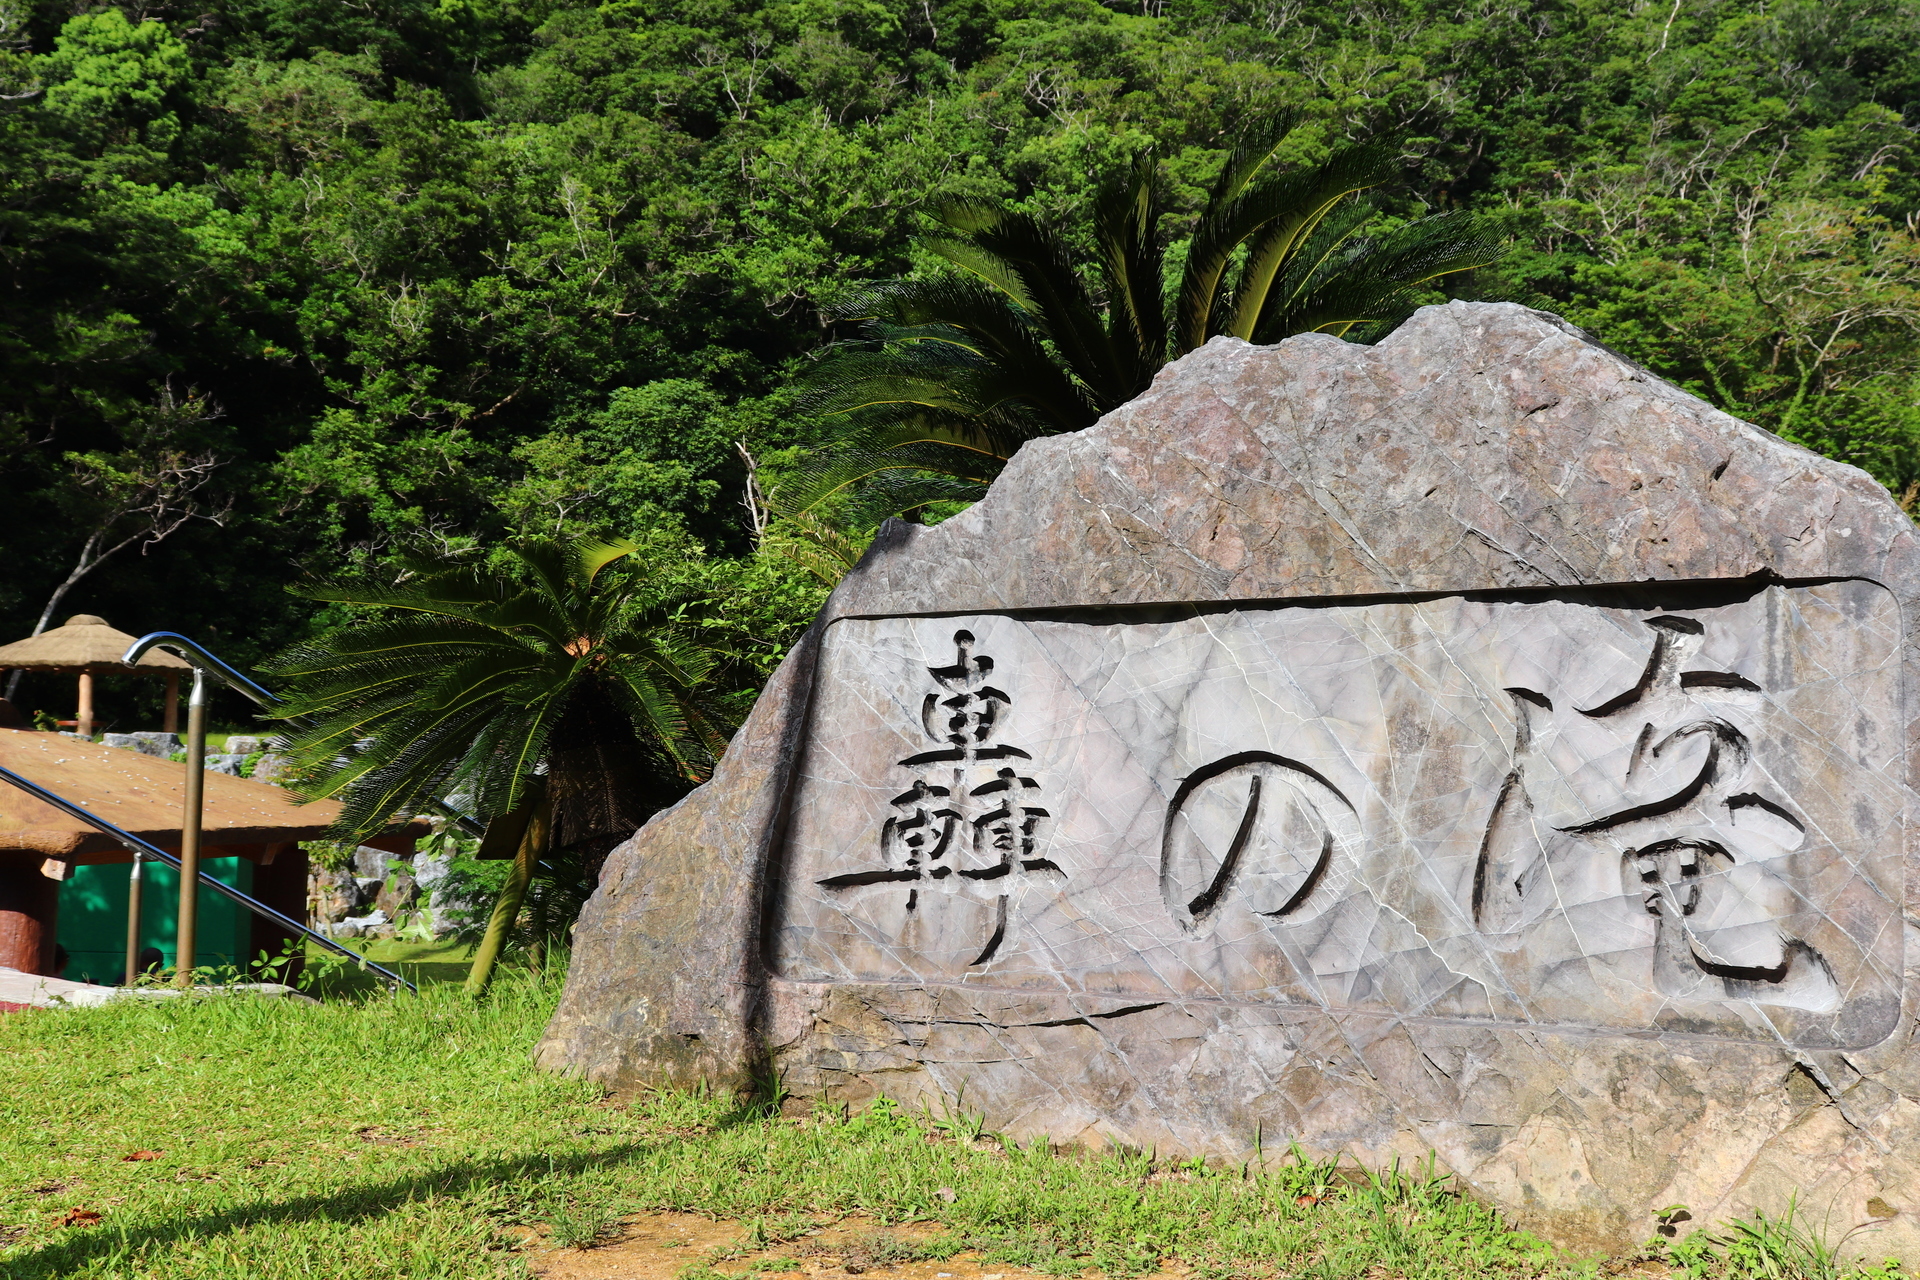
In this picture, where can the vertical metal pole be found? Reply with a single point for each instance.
(134, 882)
(186, 939)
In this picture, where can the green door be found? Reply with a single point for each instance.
(93, 918)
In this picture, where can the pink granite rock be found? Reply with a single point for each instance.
(1470, 744)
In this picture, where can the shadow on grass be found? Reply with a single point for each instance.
(352, 981)
(420, 973)
(428, 965)
(351, 1204)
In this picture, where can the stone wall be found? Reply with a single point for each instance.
(1468, 744)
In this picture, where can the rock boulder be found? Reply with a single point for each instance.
(1469, 744)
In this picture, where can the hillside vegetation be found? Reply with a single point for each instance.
(308, 285)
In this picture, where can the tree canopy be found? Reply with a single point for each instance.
(430, 276)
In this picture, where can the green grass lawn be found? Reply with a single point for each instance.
(408, 1136)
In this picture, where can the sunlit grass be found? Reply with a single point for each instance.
(405, 1136)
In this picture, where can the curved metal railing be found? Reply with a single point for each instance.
(142, 849)
(200, 657)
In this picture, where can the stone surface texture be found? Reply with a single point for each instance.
(1470, 744)
(148, 743)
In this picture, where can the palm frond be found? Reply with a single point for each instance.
(552, 565)
(454, 594)
(1342, 281)
(392, 725)
(1251, 152)
(1126, 220)
(1281, 217)
(825, 549)
(596, 555)
(957, 453)
(1264, 225)
(463, 689)
(947, 331)
(951, 376)
(1223, 228)
(1059, 304)
(989, 267)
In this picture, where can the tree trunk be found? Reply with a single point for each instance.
(80, 570)
(506, 908)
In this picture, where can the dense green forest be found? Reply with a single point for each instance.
(296, 286)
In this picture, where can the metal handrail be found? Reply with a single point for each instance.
(200, 657)
(196, 653)
(140, 848)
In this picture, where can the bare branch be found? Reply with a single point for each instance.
(753, 499)
(144, 494)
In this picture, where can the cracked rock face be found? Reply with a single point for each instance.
(1470, 745)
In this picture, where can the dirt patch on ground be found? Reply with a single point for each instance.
(660, 1246)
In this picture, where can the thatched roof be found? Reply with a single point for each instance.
(83, 643)
(145, 795)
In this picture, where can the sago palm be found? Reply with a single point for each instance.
(561, 702)
(954, 373)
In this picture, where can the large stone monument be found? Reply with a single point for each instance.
(1468, 744)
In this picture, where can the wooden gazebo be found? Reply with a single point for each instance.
(86, 646)
(143, 795)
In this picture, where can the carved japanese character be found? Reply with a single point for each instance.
(966, 825)
(1656, 781)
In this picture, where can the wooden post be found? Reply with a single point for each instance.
(83, 717)
(170, 722)
(186, 939)
(280, 881)
(29, 914)
(135, 883)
